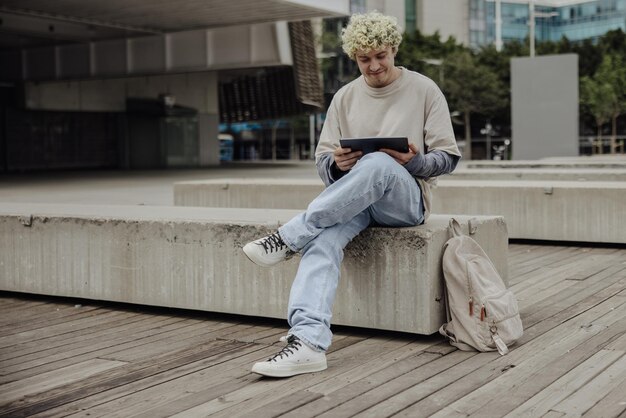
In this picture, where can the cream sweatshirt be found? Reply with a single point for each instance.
(411, 106)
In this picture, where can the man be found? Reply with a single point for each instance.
(386, 188)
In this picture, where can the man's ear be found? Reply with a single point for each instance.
(394, 49)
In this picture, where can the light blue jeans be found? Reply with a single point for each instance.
(378, 191)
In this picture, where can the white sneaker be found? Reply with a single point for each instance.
(295, 358)
(268, 250)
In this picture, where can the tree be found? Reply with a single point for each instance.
(613, 73)
(594, 96)
(416, 49)
(613, 42)
(472, 88)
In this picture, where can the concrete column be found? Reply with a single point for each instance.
(208, 129)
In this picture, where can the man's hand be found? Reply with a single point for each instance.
(345, 158)
(402, 157)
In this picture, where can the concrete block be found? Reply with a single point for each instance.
(617, 161)
(539, 174)
(248, 193)
(543, 210)
(191, 258)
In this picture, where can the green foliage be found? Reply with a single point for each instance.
(614, 42)
(594, 97)
(472, 87)
(417, 47)
(604, 93)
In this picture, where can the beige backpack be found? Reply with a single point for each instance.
(481, 313)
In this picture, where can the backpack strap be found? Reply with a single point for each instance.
(447, 304)
(455, 228)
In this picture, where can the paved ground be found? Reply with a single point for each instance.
(130, 187)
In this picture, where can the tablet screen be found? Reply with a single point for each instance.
(368, 145)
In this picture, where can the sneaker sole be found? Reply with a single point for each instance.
(288, 371)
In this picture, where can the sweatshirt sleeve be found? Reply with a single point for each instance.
(329, 141)
(327, 170)
(434, 163)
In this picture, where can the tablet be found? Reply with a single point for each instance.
(368, 145)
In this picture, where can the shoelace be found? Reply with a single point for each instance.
(293, 343)
(272, 243)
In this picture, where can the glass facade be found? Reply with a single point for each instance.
(586, 20)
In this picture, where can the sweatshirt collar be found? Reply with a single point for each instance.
(388, 89)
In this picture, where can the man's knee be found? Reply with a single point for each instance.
(379, 163)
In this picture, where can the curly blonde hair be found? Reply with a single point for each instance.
(370, 31)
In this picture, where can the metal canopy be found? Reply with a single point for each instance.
(26, 23)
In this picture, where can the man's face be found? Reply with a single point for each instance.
(377, 66)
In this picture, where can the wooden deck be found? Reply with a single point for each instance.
(62, 357)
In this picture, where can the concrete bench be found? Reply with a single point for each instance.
(614, 162)
(191, 258)
(542, 210)
(539, 174)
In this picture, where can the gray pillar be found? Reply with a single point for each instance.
(208, 129)
(544, 106)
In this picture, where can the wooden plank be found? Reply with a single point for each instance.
(554, 414)
(563, 387)
(368, 392)
(544, 257)
(36, 363)
(585, 398)
(593, 284)
(560, 283)
(578, 269)
(113, 378)
(19, 305)
(173, 390)
(410, 349)
(415, 402)
(192, 335)
(520, 274)
(567, 300)
(283, 405)
(63, 316)
(546, 359)
(345, 393)
(60, 329)
(259, 333)
(560, 312)
(33, 312)
(466, 393)
(618, 344)
(13, 391)
(81, 335)
(36, 341)
(612, 405)
(355, 374)
(544, 376)
(435, 380)
(242, 400)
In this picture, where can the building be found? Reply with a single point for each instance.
(144, 84)
(473, 22)
(576, 20)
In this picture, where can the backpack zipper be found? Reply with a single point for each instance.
(469, 290)
(500, 345)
